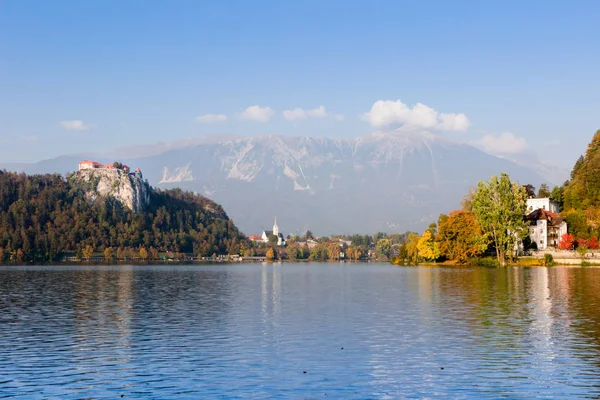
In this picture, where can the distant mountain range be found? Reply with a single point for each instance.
(389, 182)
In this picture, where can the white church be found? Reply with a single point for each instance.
(275, 232)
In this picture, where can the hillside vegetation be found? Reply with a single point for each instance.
(581, 194)
(42, 217)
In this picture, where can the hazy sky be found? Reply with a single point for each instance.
(509, 76)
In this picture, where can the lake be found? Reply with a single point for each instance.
(299, 331)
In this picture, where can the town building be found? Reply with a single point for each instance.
(275, 232)
(543, 203)
(546, 227)
(87, 164)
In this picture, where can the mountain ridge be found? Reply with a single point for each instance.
(385, 181)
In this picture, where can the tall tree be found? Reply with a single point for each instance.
(383, 249)
(529, 190)
(543, 191)
(499, 206)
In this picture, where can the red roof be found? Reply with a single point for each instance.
(255, 237)
(541, 214)
(88, 162)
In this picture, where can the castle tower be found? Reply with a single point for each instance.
(275, 228)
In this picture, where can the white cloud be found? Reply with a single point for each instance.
(502, 144)
(388, 112)
(76, 125)
(301, 113)
(258, 113)
(212, 118)
(454, 122)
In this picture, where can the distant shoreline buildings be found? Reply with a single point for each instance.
(266, 235)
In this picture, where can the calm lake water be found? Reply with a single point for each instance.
(300, 331)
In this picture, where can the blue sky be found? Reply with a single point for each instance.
(80, 76)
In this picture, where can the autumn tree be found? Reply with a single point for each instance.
(412, 248)
(87, 252)
(19, 256)
(566, 242)
(543, 191)
(153, 253)
(270, 254)
(499, 206)
(460, 236)
(108, 253)
(427, 247)
(353, 253)
(143, 253)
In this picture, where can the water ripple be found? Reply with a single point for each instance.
(299, 331)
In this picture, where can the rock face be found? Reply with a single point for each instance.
(129, 189)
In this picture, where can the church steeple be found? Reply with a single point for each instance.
(275, 228)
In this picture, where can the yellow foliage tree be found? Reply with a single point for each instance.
(87, 252)
(428, 248)
(143, 253)
(108, 253)
(270, 254)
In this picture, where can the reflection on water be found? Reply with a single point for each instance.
(299, 331)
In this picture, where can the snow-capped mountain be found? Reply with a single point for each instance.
(380, 182)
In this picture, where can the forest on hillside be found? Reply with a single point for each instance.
(44, 217)
(580, 195)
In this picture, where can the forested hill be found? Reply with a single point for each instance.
(583, 190)
(44, 217)
(581, 194)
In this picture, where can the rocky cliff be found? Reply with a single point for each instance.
(129, 189)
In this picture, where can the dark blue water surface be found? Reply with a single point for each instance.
(299, 331)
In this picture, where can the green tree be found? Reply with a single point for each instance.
(499, 206)
(578, 164)
(383, 249)
(556, 195)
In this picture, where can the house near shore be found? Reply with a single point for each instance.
(546, 226)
